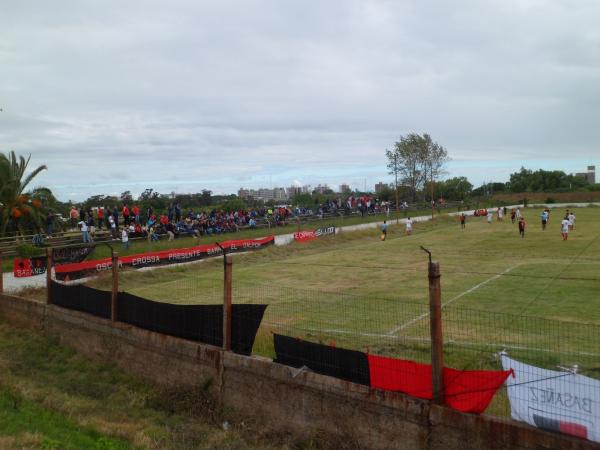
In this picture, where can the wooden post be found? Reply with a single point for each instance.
(227, 297)
(49, 257)
(115, 287)
(437, 339)
(1, 275)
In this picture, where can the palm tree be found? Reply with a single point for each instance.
(17, 207)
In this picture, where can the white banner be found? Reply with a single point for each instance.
(555, 401)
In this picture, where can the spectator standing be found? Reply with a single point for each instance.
(125, 238)
(49, 224)
(115, 215)
(74, 215)
(125, 212)
(136, 213)
(85, 234)
(100, 217)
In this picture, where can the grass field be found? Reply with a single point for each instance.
(536, 297)
(539, 292)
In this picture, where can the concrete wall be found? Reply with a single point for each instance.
(279, 397)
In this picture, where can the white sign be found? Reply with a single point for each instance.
(555, 401)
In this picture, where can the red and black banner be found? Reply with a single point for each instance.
(465, 390)
(160, 258)
(69, 255)
(28, 267)
(304, 236)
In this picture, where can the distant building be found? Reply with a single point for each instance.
(590, 175)
(264, 194)
(345, 189)
(294, 190)
(380, 187)
(322, 189)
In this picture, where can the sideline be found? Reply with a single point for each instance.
(452, 300)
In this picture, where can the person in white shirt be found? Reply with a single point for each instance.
(490, 216)
(564, 228)
(125, 238)
(500, 214)
(113, 227)
(571, 219)
(518, 213)
(85, 234)
(409, 226)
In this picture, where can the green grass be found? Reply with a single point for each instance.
(537, 297)
(54, 398)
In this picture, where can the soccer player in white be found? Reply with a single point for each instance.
(571, 219)
(564, 228)
(409, 225)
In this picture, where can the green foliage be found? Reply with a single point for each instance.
(233, 205)
(415, 160)
(545, 181)
(457, 188)
(20, 211)
(303, 200)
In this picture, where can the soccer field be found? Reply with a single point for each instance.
(536, 296)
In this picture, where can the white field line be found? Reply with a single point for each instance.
(452, 300)
(427, 340)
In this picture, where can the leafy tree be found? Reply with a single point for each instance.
(126, 197)
(235, 204)
(416, 159)
(205, 198)
(19, 210)
(457, 188)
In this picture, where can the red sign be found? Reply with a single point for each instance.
(304, 236)
(28, 267)
(160, 258)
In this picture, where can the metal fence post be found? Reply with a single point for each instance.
(437, 339)
(227, 297)
(114, 298)
(49, 257)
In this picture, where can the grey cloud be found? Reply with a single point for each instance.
(231, 91)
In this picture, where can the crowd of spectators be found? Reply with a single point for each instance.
(176, 221)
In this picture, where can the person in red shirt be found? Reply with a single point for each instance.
(100, 217)
(136, 214)
(126, 215)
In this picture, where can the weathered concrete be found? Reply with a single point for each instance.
(279, 397)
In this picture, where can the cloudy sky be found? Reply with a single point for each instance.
(185, 95)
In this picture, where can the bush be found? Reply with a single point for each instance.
(25, 250)
(550, 200)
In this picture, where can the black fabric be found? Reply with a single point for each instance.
(202, 323)
(68, 255)
(82, 298)
(348, 365)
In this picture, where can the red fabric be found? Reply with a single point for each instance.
(574, 429)
(467, 390)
